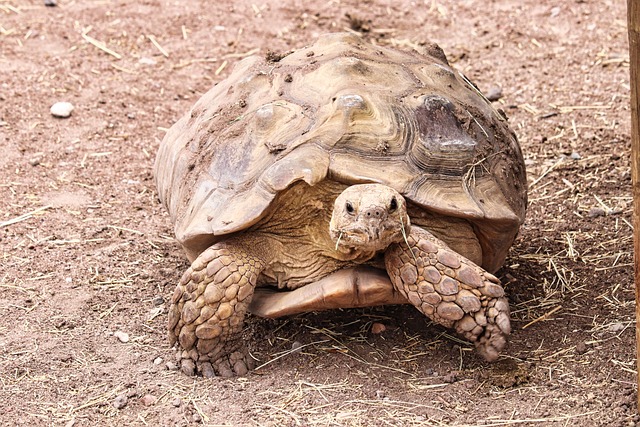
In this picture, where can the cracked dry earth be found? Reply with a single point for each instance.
(89, 263)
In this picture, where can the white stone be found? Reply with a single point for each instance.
(147, 61)
(122, 336)
(62, 109)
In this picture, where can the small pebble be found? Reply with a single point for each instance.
(450, 378)
(380, 394)
(539, 139)
(157, 361)
(494, 93)
(148, 399)
(197, 418)
(616, 327)
(120, 401)
(171, 366)
(296, 347)
(378, 328)
(176, 402)
(147, 61)
(596, 212)
(581, 347)
(62, 109)
(158, 301)
(34, 161)
(50, 3)
(122, 336)
(575, 156)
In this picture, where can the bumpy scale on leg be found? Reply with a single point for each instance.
(451, 290)
(207, 312)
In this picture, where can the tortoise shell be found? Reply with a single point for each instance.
(348, 111)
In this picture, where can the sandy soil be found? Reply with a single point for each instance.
(87, 252)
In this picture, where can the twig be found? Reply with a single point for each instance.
(221, 67)
(242, 55)
(101, 45)
(294, 350)
(23, 217)
(153, 40)
(545, 173)
(543, 317)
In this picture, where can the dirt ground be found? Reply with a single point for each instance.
(88, 255)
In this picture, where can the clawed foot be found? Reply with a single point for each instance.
(488, 327)
(207, 312)
(237, 363)
(451, 290)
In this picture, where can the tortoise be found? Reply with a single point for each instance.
(343, 174)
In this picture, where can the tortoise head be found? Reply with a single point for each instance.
(368, 217)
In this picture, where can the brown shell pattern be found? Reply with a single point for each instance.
(350, 111)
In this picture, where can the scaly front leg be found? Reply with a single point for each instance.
(451, 290)
(208, 309)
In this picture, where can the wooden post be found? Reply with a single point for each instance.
(633, 25)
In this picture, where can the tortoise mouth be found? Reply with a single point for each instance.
(367, 238)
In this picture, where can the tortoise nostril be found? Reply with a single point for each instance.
(374, 213)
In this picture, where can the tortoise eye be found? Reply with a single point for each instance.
(393, 205)
(349, 207)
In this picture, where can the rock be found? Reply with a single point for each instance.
(188, 367)
(176, 402)
(50, 3)
(616, 327)
(147, 61)
(378, 328)
(122, 336)
(581, 347)
(34, 162)
(575, 156)
(197, 418)
(157, 361)
(450, 378)
(494, 93)
(148, 399)
(296, 347)
(539, 139)
(172, 366)
(596, 212)
(62, 109)
(120, 401)
(380, 394)
(157, 301)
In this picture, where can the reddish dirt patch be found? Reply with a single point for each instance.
(87, 249)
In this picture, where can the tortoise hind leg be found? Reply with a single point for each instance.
(451, 290)
(208, 309)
